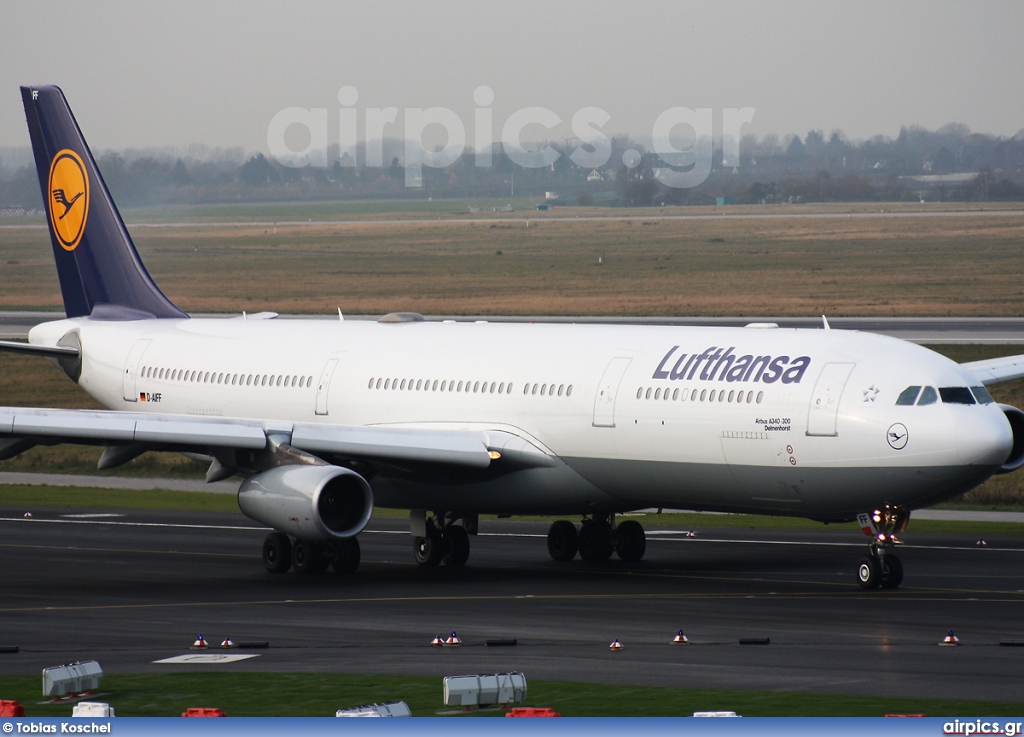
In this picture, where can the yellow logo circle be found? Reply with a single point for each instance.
(69, 198)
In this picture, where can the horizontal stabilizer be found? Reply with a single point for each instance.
(50, 351)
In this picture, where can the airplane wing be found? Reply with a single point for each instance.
(21, 428)
(997, 370)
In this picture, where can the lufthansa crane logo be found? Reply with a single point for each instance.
(69, 198)
(897, 436)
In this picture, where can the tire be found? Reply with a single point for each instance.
(308, 557)
(277, 553)
(596, 542)
(428, 550)
(892, 572)
(346, 555)
(563, 540)
(455, 543)
(630, 541)
(869, 572)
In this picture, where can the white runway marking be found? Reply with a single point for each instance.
(89, 516)
(208, 658)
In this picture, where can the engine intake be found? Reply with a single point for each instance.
(316, 503)
(1016, 458)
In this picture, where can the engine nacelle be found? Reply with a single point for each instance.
(316, 503)
(1016, 419)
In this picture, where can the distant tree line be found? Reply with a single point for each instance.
(951, 163)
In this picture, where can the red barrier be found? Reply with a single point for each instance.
(196, 712)
(11, 709)
(532, 711)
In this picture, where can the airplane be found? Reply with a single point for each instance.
(325, 420)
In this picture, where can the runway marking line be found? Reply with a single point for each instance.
(796, 596)
(658, 536)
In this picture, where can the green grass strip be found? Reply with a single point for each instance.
(321, 694)
(28, 498)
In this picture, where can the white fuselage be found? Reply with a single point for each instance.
(763, 420)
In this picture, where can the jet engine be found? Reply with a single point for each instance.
(315, 503)
(1016, 419)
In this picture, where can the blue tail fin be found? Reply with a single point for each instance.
(100, 271)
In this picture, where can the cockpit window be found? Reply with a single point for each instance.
(956, 395)
(928, 396)
(907, 396)
(982, 395)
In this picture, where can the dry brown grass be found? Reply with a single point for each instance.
(963, 265)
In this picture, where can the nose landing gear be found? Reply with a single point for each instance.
(881, 568)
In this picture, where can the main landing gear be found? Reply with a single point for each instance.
(881, 567)
(597, 538)
(440, 539)
(281, 553)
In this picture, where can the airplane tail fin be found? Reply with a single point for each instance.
(101, 274)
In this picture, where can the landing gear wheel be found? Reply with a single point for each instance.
(869, 572)
(346, 555)
(308, 557)
(596, 541)
(455, 544)
(630, 541)
(892, 572)
(563, 540)
(428, 550)
(277, 553)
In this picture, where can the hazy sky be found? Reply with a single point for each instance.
(159, 74)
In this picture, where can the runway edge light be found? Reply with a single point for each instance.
(950, 639)
(453, 641)
(228, 643)
(680, 639)
(438, 641)
(616, 645)
(200, 643)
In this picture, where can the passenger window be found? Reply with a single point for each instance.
(982, 395)
(928, 396)
(956, 395)
(907, 396)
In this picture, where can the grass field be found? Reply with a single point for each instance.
(321, 694)
(964, 265)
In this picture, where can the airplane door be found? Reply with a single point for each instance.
(131, 371)
(604, 402)
(824, 410)
(324, 386)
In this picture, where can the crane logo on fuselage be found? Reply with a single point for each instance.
(722, 364)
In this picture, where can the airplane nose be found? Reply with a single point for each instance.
(983, 437)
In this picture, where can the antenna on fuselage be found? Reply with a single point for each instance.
(824, 323)
(341, 316)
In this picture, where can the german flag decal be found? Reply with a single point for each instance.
(69, 198)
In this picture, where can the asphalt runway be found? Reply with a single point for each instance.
(131, 589)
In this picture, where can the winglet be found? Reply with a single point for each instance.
(96, 260)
